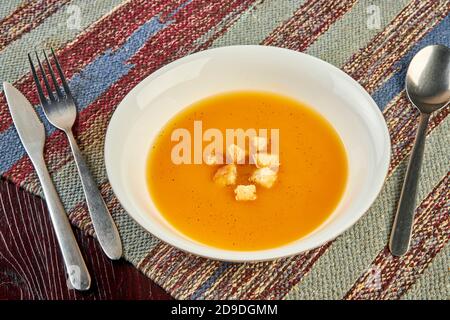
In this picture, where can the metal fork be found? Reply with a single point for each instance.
(61, 112)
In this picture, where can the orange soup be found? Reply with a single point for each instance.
(311, 177)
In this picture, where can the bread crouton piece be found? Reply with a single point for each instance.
(226, 175)
(235, 154)
(264, 177)
(245, 192)
(263, 160)
(259, 143)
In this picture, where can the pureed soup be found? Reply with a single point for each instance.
(196, 199)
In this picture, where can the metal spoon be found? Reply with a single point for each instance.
(428, 89)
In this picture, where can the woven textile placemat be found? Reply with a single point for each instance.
(107, 47)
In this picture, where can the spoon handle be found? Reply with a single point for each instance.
(404, 218)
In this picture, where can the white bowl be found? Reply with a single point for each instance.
(331, 92)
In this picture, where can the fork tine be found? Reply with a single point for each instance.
(52, 74)
(61, 75)
(44, 77)
(37, 83)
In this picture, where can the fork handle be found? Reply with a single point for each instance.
(77, 271)
(103, 223)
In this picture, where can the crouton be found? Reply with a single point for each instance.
(245, 192)
(235, 154)
(226, 175)
(259, 143)
(265, 177)
(263, 160)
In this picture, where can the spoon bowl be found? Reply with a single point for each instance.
(428, 78)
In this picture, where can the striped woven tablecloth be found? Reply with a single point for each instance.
(106, 47)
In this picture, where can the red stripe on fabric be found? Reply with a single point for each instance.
(308, 23)
(207, 13)
(163, 268)
(108, 33)
(286, 280)
(26, 17)
(218, 34)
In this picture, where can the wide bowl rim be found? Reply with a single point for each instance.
(257, 255)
